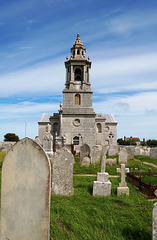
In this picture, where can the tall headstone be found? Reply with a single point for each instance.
(95, 155)
(84, 151)
(122, 189)
(154, 222)
(102, 187)
(25, 192)
(123, 156)
(113, 150)
(62, 178)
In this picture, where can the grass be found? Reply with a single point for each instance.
(146, 159)
(82, 216)
(147, 179)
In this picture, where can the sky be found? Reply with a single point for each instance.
(120, 36)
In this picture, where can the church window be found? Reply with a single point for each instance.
(77, 99)
(82, 52)
(78, 52)
(77, 74)
(99, 127)
(55, 128)
(76, 140)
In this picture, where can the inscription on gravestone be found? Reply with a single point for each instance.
(25, 193)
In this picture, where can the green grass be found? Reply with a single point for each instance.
(146, 159)
(82, 216)
(153, 180)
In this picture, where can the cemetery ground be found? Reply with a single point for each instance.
(83, 216)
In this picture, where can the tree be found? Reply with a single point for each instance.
(11, 137)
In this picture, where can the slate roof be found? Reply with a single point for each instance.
(109, 117)
(45, 117)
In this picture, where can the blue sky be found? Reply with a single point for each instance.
(121, 40)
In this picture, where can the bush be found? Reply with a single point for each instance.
(11, 137)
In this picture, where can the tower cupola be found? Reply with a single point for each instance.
(78, 50)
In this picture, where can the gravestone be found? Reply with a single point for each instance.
(137, 151)
(62, 178)
(153, 153)
(111, 161)
(95, 155)
(85, 162)
(112, 151)
(84, 151)
(123, 156)
(122, 189)
(154, 222)
(25, 192)
(102, 187)
(130, 151)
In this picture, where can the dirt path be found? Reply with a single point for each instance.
(92, 175)
(146, 163)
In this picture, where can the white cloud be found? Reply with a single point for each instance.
(40, 79)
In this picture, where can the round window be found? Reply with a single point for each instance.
(76, 122)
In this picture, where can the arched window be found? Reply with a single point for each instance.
(76, 140)
(99, 127)
(55, 128)
(77, 74)
(77, 99)
(78, 52)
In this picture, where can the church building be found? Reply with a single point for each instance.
(76, 123)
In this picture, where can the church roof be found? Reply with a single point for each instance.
(109, 117)
(45, 117)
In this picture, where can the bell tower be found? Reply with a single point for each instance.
(77, 93)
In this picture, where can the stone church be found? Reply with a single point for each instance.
(76, 123)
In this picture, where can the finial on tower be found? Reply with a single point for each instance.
(78, 36)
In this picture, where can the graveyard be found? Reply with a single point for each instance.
(84, 216)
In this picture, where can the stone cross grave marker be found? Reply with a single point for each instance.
(102, 187)
(122, 171)
(103, 159)
(62, 178)
(122, 189)
(154, 221)
(25, 192)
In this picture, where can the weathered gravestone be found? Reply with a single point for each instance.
(113, 150)
(85, 162)
(25, 193)
(137, 151)
(154, 222)
(130, 151)
(123, 156)
(84, 151)
(62, 178)
(122, 189)
(153, 153)
(102, 187)
(95, 155)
